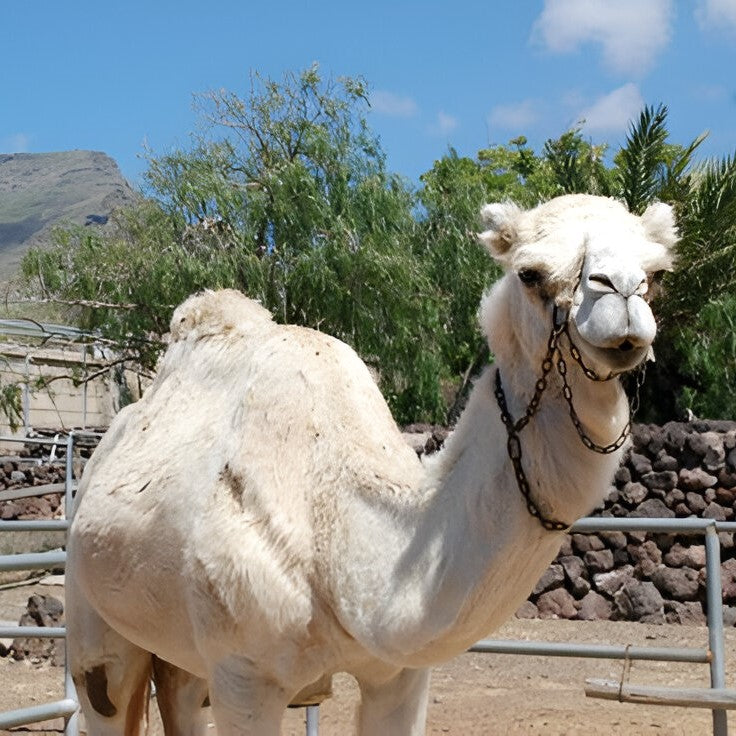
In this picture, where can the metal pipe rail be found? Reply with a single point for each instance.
(60, 709)
(592, 651)
(68, 707)
(714, 656)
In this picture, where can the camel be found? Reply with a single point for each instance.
(256, 523)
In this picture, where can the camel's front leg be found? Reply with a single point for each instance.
(395, 707)
(244, 702)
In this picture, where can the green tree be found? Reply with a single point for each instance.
(284, 195)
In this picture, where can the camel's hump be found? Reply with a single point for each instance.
(217, 312)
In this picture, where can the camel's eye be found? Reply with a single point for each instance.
(530, 277)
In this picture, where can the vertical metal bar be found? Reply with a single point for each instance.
(71, 727)
(84, 387)
(715, 623)
(69, 478)
(312, 720)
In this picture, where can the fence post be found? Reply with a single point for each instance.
(312, 720)
(715, 623)
(71, 727)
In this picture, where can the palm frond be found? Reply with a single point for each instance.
(641, 160)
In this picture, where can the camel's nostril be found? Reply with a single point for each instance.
(625, 346)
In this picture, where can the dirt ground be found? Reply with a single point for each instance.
(474, 694)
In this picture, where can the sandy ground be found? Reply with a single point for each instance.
(473, 694)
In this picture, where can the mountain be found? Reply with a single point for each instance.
(41, 190)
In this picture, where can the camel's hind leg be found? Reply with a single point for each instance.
(112, 676)
(181, 700)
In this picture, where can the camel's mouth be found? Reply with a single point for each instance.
(625, 357)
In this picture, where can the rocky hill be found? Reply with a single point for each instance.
(40, 190)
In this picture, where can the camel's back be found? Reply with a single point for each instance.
(234, 387)
(225, 476)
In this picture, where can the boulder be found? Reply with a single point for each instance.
(622, 476)
(639, 600)
(715, 511)
(576, 575)
(610, 582)
(731, 460)
(527, 610)
(556, 603)
(728, 580)
(692, 556)
(709, 447)
(613, 540)
(566, 546)
(594, 607)
(664, 480)
(696, 479)
(677, 583)
(675, 436)
(646, 557)
(634, 493)
(553, 577)
(652, 508)
(695, 502)
(688, 613)
(41, 610)
(583, 543)
(641, 436)
(597, 561)
(663, 461)
(725, 497)
(640, 464)
(673, 498)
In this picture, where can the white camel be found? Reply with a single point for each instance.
(257, 523)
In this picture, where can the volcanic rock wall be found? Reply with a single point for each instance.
(678, 470)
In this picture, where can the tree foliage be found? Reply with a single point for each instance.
(285, 195)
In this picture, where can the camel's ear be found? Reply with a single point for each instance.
(500, 221)
(659, 223)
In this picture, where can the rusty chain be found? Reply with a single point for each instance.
(513, 428)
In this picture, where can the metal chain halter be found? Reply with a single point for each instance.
(513, 428)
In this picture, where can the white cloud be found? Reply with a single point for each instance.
(16, 143)
(631, 32)
(393, 105)
(613, 112)
(444, 123)
(711, 92)
(716, 14)
(514, 116)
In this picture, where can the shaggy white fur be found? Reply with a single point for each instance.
(256, 522)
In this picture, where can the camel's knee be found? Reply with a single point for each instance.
(396, 706)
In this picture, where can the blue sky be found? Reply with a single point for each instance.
(112, 76)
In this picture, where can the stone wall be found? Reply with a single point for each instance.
(678, 470)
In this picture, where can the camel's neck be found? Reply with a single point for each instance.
(475, 551)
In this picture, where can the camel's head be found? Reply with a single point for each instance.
(594, 261)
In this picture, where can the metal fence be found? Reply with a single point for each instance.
(716, 697)
(68, 707)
